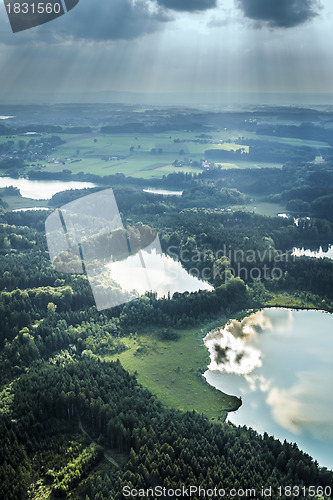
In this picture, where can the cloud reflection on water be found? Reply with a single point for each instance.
(165, 274)
(231, 355)
(300, 408)
(284, 375)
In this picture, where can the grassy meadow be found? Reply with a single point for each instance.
(173, 369)
(130, 154)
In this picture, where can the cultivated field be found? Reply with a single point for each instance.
(149, 155)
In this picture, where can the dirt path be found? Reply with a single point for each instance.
(106, 456)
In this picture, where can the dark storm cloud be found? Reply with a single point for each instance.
(188, 5)
(280, 13)
(98, 21)
(108, 20)
(114, 20)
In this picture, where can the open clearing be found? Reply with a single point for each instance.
(261, 207)
(15, 201)
(172, 369)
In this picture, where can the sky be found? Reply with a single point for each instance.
(187, 47)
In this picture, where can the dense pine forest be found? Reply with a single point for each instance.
(164, 447)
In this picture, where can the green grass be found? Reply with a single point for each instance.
(242, 164)
(262, 164)
(168, 169)
(141, 162)
(286, 140)
(261, 207)
(228, 146)
(172, 370)
(16, 138)
(226, 166)
(285, 299)
(14, 202)
(120, 144)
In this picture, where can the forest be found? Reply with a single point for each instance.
(163, 447)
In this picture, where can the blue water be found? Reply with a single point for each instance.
(280, 362)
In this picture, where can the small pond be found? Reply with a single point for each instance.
(162, 273)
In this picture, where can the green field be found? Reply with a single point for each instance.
(14, 202)
(249, 164)
(15, 139)
(103, 154)
(173, 370)
(111, 154)
(292, 301)
(131, 154)
(82, 154)
(261, 207)
(287, 140)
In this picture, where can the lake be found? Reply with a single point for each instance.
(319, 252)
(280, 362)
(162, 273)
(42, 190)
(322, 250)
(165, 192)
(297, 220)
(30, 208)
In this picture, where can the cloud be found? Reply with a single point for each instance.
(107, 20)
(280, 13)
(116, 20)
(188, 5)
(305, 407)
(231, 355)
(218, 22)
(104, 20)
